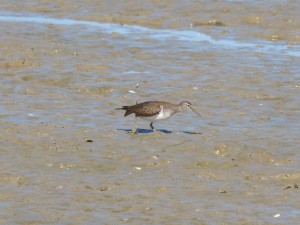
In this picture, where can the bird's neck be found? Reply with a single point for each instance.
(179, 108)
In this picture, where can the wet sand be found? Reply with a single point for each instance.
(66, 157)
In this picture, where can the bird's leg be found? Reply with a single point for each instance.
(151, 125)
(134, 130)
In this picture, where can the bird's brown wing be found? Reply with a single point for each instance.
(146, 109)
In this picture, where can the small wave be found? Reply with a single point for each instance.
(158, 34)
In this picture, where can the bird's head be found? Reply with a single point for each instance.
(187, 106)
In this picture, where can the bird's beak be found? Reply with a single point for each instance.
(192, 109)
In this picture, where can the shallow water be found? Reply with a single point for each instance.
(65, 70)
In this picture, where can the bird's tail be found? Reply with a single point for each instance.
(123, 108)
(127, 109)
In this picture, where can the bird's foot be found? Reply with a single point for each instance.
(133, 131)
(157, 131)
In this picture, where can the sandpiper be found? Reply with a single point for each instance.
(155, 110)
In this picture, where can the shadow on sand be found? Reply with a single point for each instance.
(147, 131)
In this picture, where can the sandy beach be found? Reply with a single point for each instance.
(66, 156)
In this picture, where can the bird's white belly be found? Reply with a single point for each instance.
(162, 115)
